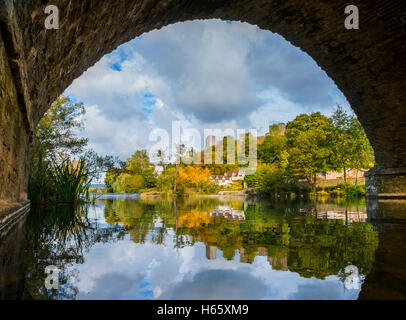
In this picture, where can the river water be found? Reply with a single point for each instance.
(208, 248)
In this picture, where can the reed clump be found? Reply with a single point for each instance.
(54, 181)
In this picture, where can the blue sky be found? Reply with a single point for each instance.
(208, 74)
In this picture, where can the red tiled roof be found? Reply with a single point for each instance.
(230, 173)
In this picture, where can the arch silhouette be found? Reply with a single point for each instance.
(368, 65)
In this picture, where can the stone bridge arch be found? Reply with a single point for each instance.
(368, 65)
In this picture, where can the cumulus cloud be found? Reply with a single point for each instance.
(218, 285)
(209, 74)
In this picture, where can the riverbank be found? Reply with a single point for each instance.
(220, 196)
(336, 191)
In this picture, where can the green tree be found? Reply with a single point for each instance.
(342, 143)
(350, 145)
(55, 134)
(362, 152)
(110, 178)
(273, 145)
(56, 148)
(127, 183)
(138, 162)
(166, 179)
(268, 178)
(136, 173)
(309, 140)
(150, 178)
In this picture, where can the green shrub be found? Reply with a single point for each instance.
(347, 190)
(53, 182)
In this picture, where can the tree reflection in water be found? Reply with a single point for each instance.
(313, 240)
(59, 237)
(298, 237)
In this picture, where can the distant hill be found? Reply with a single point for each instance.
(97, 186)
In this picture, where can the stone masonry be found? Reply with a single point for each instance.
(368, 65)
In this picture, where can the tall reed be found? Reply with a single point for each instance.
(58, 182)
(70, 180)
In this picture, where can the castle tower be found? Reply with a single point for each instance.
(282, 128)
(211, 252)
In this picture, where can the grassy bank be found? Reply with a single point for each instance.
(342, 190)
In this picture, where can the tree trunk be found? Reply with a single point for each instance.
(314, 183)
(345, 175)
(356, 177)
(176, 216)
(176, 178)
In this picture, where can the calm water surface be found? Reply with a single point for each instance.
(209, 249)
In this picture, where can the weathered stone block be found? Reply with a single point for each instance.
(13, 137)
(386, 183)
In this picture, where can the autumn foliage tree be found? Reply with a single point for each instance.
(194, 177)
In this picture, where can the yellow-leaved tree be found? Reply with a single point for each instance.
(194, 177)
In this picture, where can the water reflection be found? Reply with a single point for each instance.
(60, 237)
(201, 249)
(303, 238)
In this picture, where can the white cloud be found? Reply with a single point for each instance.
(209, 74)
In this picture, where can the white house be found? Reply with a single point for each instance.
(229, 177)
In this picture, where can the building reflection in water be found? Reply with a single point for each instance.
(386, 280)
(211, 252)
(228, 212)
(312, 240)
(348, 217)
(279, 261)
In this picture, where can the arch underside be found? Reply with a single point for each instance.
(368, 65)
